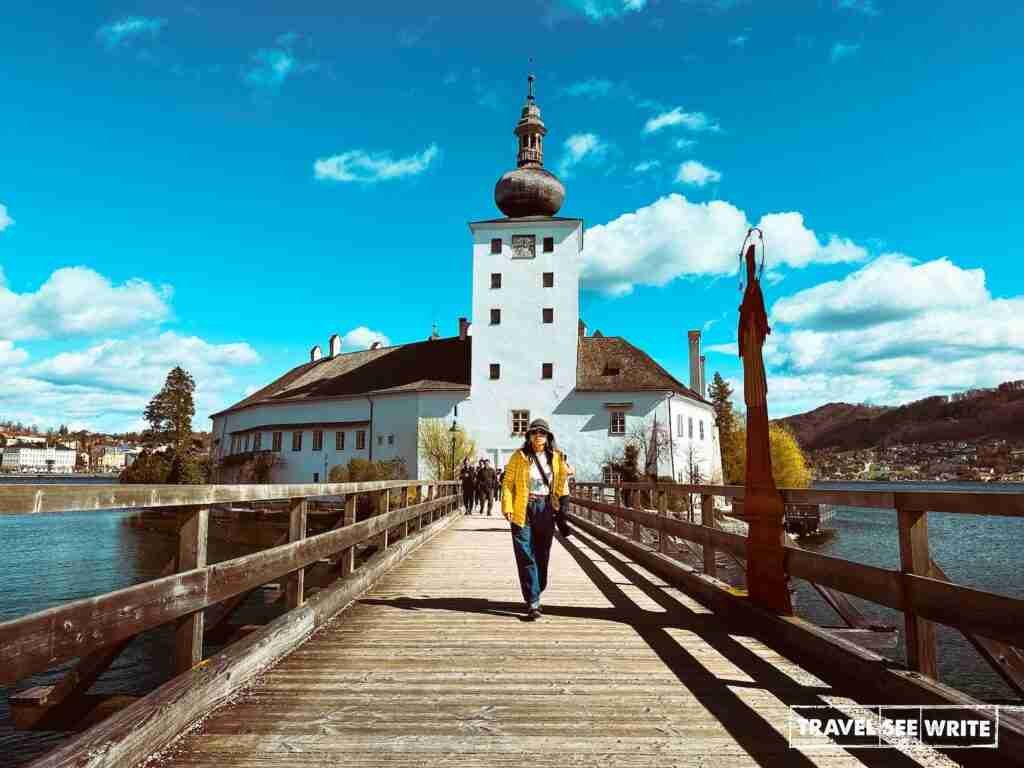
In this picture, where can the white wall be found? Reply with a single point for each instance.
(523, 342)
(36, 458)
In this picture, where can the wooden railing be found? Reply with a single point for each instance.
(993, 623)
(96, 630)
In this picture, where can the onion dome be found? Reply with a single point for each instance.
(529, 190)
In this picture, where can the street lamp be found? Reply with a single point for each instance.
(454, 432)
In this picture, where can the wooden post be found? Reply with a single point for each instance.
(188, 634)
(406, 493)
(637, 504)
(296, 585)
(348, 557)
(915, 559)
(620, 500)
(383, 499)
(707, 519)
(663, 514)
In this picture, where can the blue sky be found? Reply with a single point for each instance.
(222, 188)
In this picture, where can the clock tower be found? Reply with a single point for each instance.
(525, 294)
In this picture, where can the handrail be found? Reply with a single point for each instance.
(32, 498)
(994, 623)
(97, 629)
(990, 503)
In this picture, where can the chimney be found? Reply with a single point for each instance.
(703, 391)
(315, 354)
(583, 329)
(463, 328)
(334, 344)
(694, 337)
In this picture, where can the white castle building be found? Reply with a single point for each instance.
(525, 355)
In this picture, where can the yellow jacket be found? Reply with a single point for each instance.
(515, 485)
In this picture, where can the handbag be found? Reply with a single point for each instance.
(560, 522)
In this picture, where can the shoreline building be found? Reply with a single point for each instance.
(35, 457)
(525, 355)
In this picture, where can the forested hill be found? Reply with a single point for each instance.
(969, 416)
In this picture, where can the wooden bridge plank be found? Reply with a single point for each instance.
(435, 667)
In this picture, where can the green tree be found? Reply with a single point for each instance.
(185, 469)
(435, 446)
(170, 411)
(728, 428)
(148, 467)
(789, 465)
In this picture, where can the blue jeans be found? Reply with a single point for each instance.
(532, 546)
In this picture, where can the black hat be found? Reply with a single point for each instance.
(538, 424)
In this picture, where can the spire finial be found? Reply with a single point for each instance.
(530, 78)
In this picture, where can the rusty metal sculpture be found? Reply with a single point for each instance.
(763, 507)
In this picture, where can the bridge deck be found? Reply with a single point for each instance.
(435, 667)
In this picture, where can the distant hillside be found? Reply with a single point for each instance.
(979, 413)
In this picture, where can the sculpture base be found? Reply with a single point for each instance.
(767, 584)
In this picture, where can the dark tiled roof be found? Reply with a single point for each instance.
(612, 364)
(604, 364)
(424, 365)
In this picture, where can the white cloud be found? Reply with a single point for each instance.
(673, 237)
(591, 87)
(684, 144)
(79, 301)
(11, 355)
(695, 121)
(893, 331)
(599, 10)
(363, 338)
(107, 384)
(841, 50)
(646, 165)
(128, 29)
(5, 219)
(358, 165)
(697, 174)
(866, 7)
(270, 67)
(581, 147)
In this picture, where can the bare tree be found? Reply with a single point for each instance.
(651, 439)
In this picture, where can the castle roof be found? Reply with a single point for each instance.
(604, 364)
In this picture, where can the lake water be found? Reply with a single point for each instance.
(51, 559)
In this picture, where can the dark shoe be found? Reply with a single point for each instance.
(534, 614)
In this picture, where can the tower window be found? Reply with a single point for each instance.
(618, 423)
(701, 424)
(549, 315)
(549, 244)
(339, 441)
(276, 442)
(495, 279)
(689, 423)
(257, 441)
(296, 441)
(549, 279)
(495, 245)
(520, 421)
(495, 371)
(318, 440)
(360, 439)
(495, 317)
(546, 370)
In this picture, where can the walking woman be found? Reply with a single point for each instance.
(535, 477)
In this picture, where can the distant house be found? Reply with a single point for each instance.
(33, 457)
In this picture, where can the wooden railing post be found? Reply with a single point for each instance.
(637, 504)
(663, 514)
(383, 507)
(620, 501)
(915, 559)
(188, 634)
(348, 557)
(296, 587)
(707, 519)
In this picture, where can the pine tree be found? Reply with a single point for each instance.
(728, 429)
(170, 411)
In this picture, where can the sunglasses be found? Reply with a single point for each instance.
(538, 432)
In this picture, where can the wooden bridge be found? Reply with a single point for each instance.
(403, 641)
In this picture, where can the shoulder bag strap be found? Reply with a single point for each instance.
(543, 474)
